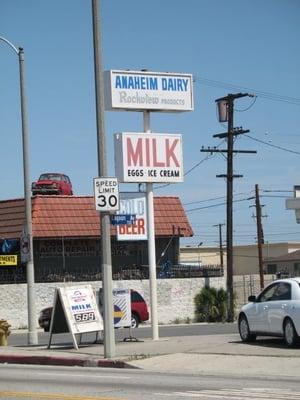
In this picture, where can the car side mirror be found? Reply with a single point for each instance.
(252, 299)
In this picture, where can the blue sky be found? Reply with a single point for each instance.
(232, 46)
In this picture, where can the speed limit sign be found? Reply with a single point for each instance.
(106, 191)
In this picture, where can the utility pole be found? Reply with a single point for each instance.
(109, 332)
(226, 109)
(260, 236)
(221, 244)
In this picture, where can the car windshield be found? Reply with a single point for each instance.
(50, 177)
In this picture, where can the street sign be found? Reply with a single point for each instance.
(106, 192)
(123, 219)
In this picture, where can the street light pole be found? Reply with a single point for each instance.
(32, 333)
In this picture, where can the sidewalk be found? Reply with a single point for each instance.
(210, 354)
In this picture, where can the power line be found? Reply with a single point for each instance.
(258, 93)
(278, 191)
(273, 145)
(247, 108)
(192, 168)
(214, 205)
(278, 197)
(216, 198)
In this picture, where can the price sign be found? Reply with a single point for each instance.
(106, 191)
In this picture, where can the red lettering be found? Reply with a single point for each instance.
(156, 163)
(170, 153)
(134, 157)
(133, 229)
(147, 153)
(122, 229)
(141, 225)
(144, 152)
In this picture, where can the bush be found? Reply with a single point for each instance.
(211, 305)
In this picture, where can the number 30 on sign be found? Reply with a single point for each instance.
(106, 191)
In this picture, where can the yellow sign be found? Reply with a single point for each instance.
(9, 260)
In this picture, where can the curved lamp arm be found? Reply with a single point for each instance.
(10, 44)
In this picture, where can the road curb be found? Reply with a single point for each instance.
(62, 361)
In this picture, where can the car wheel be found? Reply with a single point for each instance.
(290, 335)
(134, 321)
(244, 330)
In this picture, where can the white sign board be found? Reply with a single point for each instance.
(143, 90)
(106, 193)
(122, 308)
(75, 310)
(153, 157)
(133, 203)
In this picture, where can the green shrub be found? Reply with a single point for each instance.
(211, 305)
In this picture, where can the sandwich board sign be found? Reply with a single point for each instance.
(75, 311)
(122, 307)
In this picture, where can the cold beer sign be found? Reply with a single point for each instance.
(142, 157)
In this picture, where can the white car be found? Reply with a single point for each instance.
(275, 312)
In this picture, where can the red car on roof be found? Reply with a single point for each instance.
(52, 183)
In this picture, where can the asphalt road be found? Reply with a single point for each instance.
(71, 383)
(143, 332)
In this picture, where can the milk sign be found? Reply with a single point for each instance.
(144, 90)
(133, 203)
(142, 157)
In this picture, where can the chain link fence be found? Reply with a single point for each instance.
(248, 285)
(10, 275)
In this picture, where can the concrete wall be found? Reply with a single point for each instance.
(175, 297)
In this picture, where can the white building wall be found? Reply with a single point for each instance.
(175, 297)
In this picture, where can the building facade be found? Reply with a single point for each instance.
(245, 257)
(66, 239)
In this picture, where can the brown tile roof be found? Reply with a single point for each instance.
(75, 216)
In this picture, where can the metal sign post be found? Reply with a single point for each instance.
(152, 158)
(151, 244)
(106, 267)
